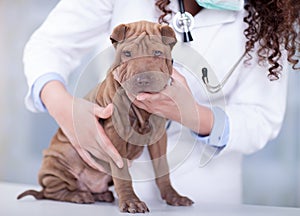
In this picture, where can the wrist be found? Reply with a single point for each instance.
(204, 123)
(56, 98)
(196, 117)
(219, 135)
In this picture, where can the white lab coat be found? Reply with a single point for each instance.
(255, 106)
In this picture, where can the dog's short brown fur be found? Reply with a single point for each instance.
(141, 49)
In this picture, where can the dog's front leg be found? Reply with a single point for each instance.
(128, 200)
(158, 155)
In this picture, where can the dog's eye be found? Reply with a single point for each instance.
(127, 53)
(157, 53)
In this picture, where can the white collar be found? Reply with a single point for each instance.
(208, 17)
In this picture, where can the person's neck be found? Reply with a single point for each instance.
(192, 7)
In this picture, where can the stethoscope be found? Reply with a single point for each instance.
(217, 88)
(183, 22)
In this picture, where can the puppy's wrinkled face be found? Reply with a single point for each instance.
(145, 65)
(144, 62)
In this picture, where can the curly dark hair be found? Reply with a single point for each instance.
(272, 24)
(162, 5)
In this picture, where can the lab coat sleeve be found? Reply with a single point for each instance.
(69, 34)
(37, 87)
(255, 109)
(219, 134)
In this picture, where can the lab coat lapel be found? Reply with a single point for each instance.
(207, 26)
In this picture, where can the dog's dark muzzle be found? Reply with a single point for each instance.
(148, 82)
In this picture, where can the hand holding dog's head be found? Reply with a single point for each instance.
(143, 56)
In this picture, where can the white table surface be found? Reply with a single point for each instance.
(10, 206)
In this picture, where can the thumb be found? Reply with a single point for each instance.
(179, 79)
(177, 76)
(104, 112)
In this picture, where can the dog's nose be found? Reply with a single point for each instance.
(143, 80)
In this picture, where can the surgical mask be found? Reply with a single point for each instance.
(235, 5)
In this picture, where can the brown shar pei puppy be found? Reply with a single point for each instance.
(143, 64)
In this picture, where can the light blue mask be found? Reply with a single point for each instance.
(235, 5)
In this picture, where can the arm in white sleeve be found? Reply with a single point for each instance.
(255, 110)
(71, 32)
(219, 135)
(38, 86)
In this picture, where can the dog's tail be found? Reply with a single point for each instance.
(36, 194)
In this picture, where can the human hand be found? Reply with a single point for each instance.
(177, 103)
(89, 134)
(78, 119)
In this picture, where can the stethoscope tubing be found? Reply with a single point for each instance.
(217, 88)
(183, 23)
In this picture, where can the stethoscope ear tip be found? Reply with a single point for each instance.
(204, 75)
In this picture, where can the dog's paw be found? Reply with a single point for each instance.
(179, 201)
(133, 206)
(174, 199)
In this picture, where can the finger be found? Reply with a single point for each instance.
(141, 105)
(108, 147)
(177, 76)
(142, 96)
(103, 112)
(148, 96)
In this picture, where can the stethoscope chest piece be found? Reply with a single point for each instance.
(183, 22)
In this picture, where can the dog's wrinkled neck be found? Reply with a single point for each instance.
(143, 126)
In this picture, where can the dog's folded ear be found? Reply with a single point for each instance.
(118, 34)
(168, 35)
